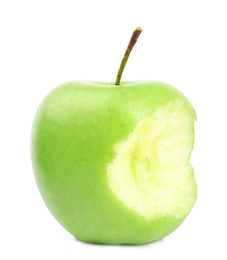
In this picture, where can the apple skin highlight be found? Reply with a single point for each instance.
(73, 137)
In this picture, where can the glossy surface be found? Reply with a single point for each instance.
(73, 137)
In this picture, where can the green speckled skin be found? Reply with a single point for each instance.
(73, 134)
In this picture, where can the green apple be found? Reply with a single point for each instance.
(111, 161)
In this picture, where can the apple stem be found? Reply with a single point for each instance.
(131, 44)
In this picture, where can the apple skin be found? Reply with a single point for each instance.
(73, 135)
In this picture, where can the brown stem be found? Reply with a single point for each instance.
(131, 44)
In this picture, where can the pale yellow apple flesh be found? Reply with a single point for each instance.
(151, 173)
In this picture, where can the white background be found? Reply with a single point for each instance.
(46, 43)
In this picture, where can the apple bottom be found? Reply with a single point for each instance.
(106, 220)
